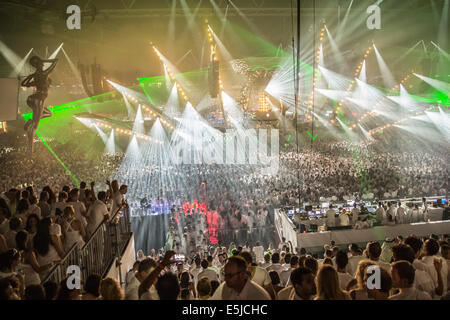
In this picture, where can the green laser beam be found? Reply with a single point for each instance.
(267, 69)
(75, 180)
(311, 136)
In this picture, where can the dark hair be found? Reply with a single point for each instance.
(328, 253)
(21, 240)
(414, 242)
(92, 284)
(28, 224)
(167, 287)
(101, 195)
(274, 277)
(276, 257)
(51, 289)
(204, 286)
(267, 257)
(51, 194)
(294, 260)
(405, 270)
(209, 258)
(374, 249)
(34, 292)
(42, 239)
(239, 261)
(287, 258)
(247, 256)
(66, 189)
(341, 259)
(204, 263)
(7, 259)
(297, 275)
(431, 247)
(82, 185)
(403, 252)
(385, 281)
(43, 195)
(22, 206)
(214, 285)
(14, 223)
(311, 264)
(328, 261)
(146, 264)
(184, 294)
(63, 291)
(185, 278)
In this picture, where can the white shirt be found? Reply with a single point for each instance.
(285, 275)
(261, 277)
(429, 261)
(400, 215)
(353, 262)
(276, 267)
(381, 215)
(259, 253)
(98, 210)
(79, 207)
(344, 219)
(117, 201)
(210, 273)
(344, 279)
(411, 294)
(355, 213)
(251, 291)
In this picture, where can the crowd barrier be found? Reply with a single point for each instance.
(105, 245)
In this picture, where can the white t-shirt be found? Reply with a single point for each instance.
(411, 294)
(344, 279)
(251, 291)
(210, 273)
(261, 277)
(259, 253)
(98, 210)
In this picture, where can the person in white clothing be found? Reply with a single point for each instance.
(145, 267)
(431, 248)
(29, 264)
(303, 286)
(208, 271)
(237, 285)
(400, 214)
(373, 252)
(286, 274)
(98, 213)
(354, 258)
(257, 274)
(422, 280)
(403, 278)
(341, 264)
(275, 266)
(259, 252)
(331, 217)
(380, 214)
(73, 230)
(79, 207)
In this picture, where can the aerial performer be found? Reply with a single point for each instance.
(41, 82)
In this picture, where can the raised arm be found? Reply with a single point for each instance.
(52, 66)
(151, 278)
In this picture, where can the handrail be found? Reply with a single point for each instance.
(56, 269)
(103, 246)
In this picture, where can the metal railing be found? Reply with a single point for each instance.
(104, 245)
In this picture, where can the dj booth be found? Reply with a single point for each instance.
(286, 228)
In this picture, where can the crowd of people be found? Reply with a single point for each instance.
(408, 268)
(37, 231)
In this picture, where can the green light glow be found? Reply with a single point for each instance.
(74, 179)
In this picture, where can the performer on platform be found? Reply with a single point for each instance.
(42, 82)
